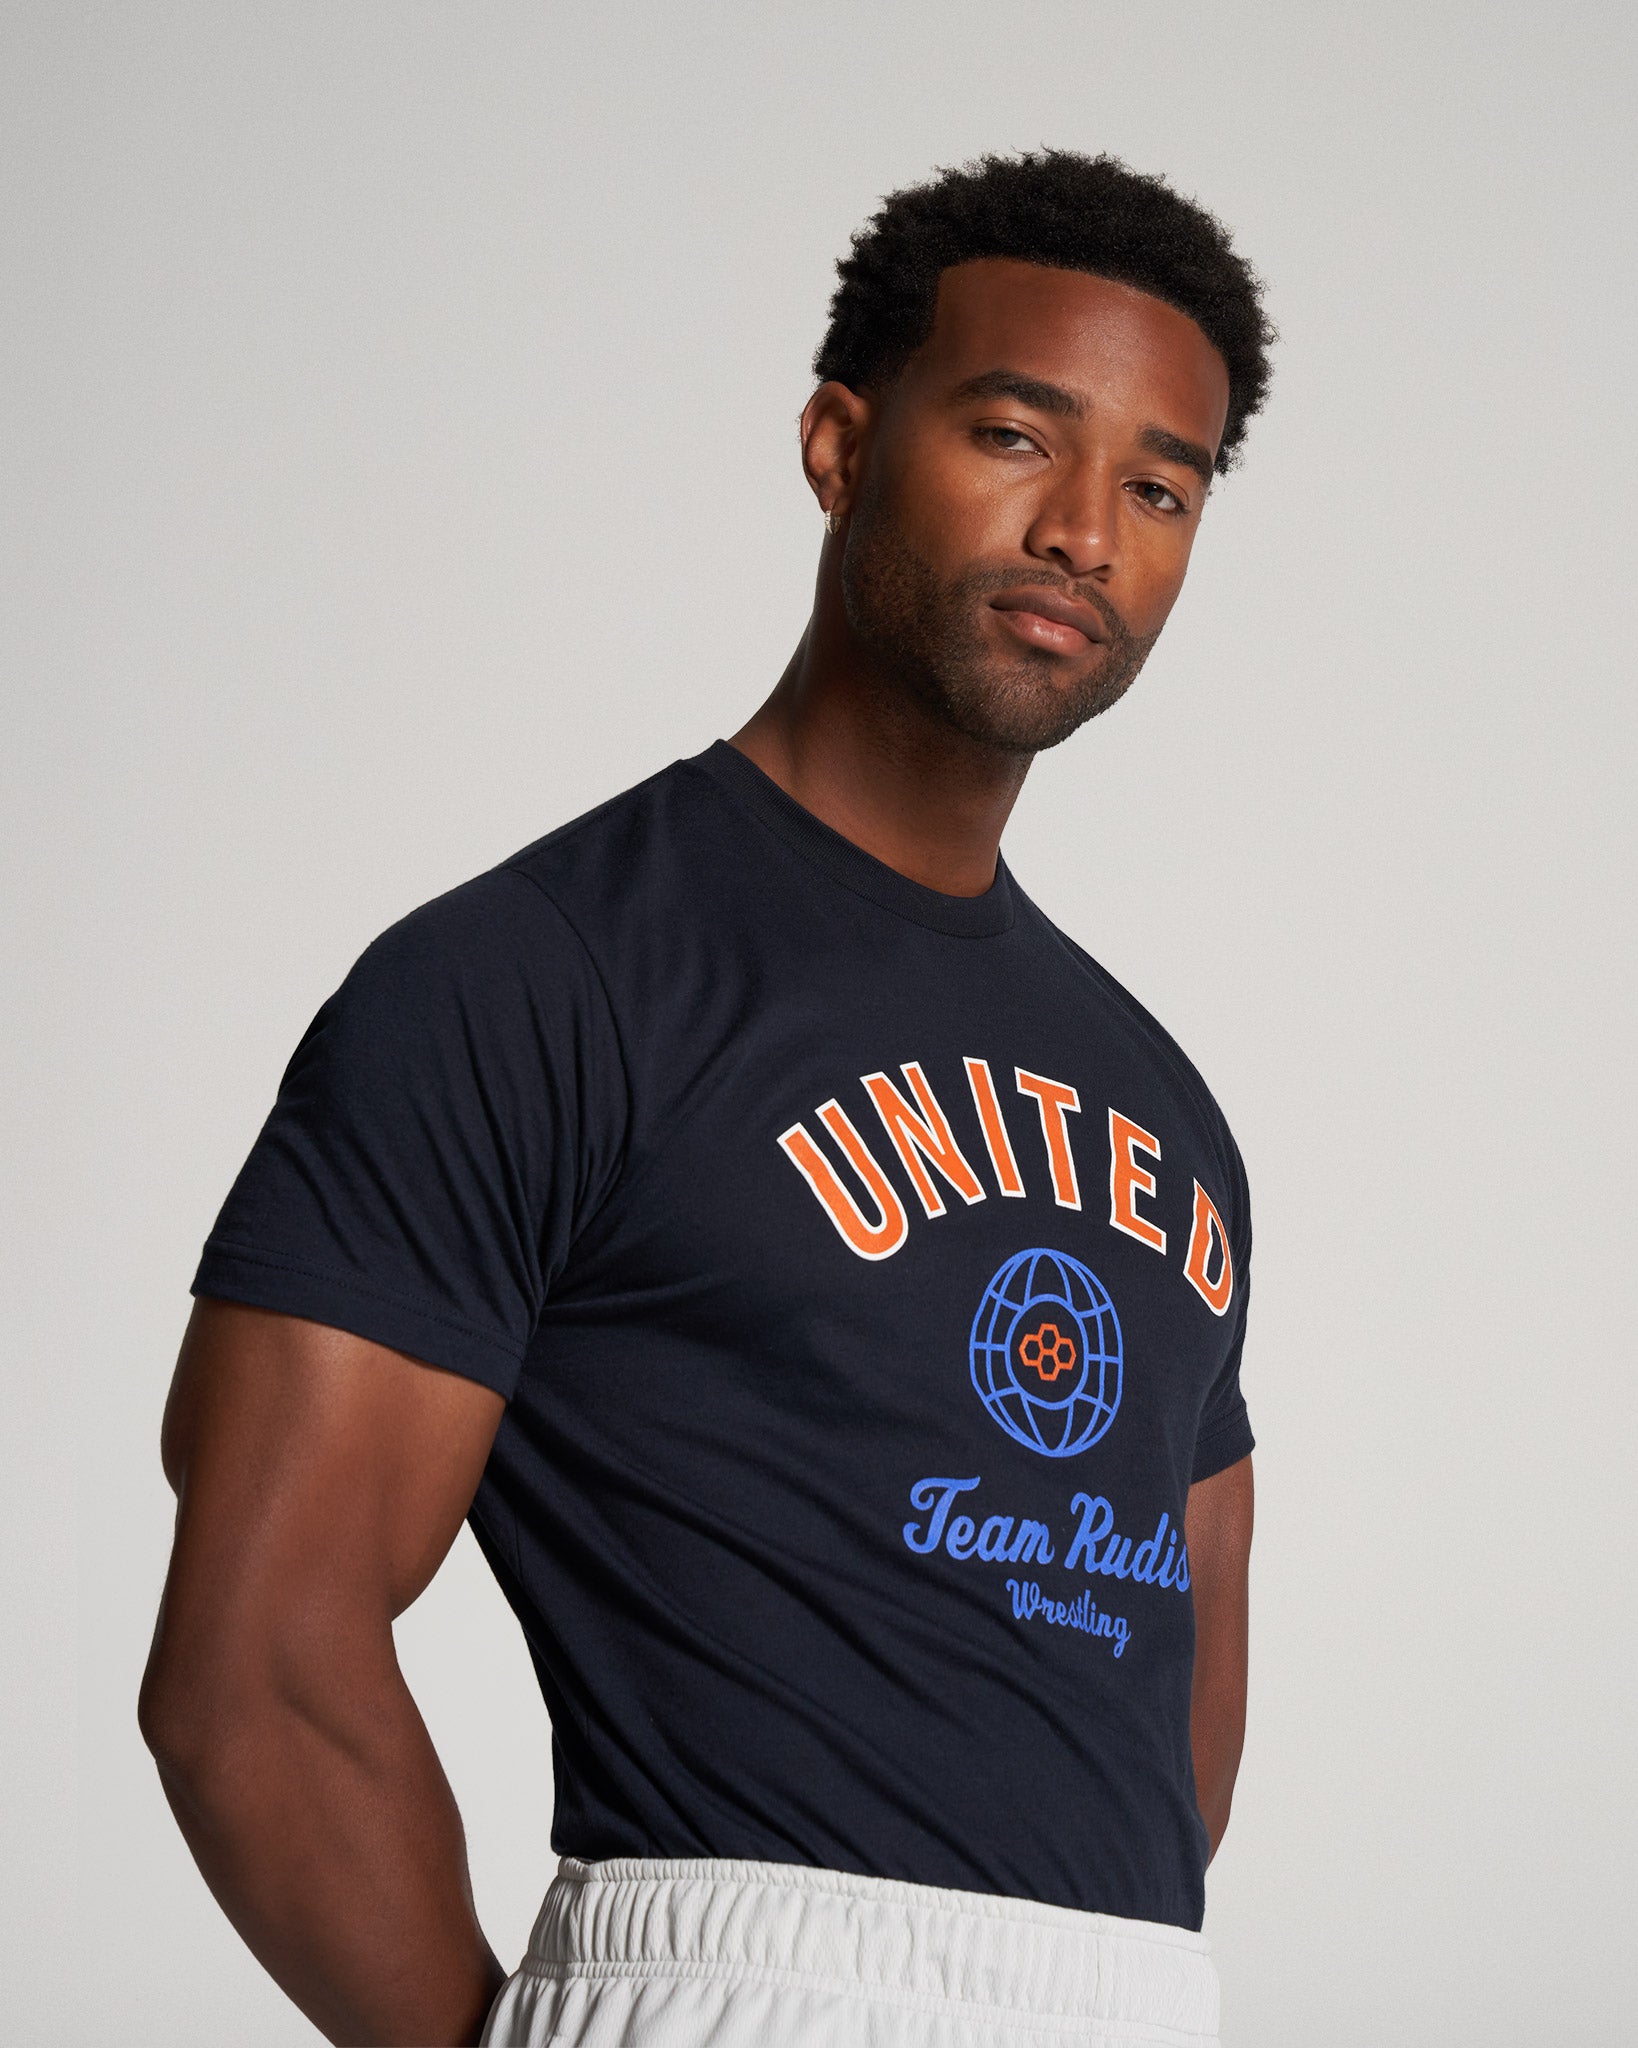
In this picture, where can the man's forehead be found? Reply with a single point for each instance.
(1003, 291)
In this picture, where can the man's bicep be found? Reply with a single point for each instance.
(311, 1466)
(1217, 1527)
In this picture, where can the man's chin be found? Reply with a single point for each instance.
(1025, 714)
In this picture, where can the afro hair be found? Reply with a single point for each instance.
(1055, 207)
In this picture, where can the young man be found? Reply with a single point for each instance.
(820, 1285)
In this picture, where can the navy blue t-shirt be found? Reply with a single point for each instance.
(865, 1273)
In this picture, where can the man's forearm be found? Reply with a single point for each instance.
(1218, 1734)
(1218, 1525)
(330, 1837)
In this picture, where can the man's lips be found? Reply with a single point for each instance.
(1048, 620)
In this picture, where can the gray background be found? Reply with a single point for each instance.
(400, 457)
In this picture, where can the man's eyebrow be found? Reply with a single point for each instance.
(1173, 448)
(1030, 391)
(1063, 404)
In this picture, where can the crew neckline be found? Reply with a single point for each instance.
(972, 917)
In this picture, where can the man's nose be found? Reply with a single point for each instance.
(1077, 523)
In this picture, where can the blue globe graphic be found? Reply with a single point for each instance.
(1046, 1353)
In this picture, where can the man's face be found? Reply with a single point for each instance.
(1027, 498)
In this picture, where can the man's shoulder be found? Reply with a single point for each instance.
(630, 839)
(556, 887)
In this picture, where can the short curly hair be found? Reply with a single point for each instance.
(1056, 207)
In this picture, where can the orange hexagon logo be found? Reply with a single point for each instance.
(1048, 1351)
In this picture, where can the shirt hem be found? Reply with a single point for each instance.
(261, 1279)
(1225, 1446)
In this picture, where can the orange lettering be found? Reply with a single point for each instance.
(870, 1240)
(926, 1136)
(1216, 1294)
(1128, 1180)
(1054, 1099)
(995, 1131)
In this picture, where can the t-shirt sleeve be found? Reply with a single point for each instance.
(452, 1115)
(1224, 1436)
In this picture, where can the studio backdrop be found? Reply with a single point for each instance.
(400, 456)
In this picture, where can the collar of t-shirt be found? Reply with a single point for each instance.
(963, 916)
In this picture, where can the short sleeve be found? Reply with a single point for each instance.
(1224, 1436)
(451, 1116)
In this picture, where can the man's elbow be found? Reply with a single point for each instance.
(192, 1722)
(215, 1690)
(229, 1697)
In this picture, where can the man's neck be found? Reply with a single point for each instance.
(884, 771)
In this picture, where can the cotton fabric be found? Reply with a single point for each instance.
(865, 1272)
(639, 1954)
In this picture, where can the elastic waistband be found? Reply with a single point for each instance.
(879, 1939)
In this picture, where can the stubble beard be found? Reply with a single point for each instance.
(923, 634)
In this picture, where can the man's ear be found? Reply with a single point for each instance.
(835, 428)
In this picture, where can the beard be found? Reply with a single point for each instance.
(924, 633)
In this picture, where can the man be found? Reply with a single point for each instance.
(821, 1286)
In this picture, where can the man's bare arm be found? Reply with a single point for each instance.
(1217, 1528)
(320, 1481)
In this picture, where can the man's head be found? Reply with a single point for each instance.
(1033, 369)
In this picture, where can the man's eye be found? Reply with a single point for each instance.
(1016, 441)
(1160, 496)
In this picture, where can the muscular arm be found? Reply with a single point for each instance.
(1217, 1528)
(320, 1480)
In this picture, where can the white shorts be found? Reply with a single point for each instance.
(714, 1954)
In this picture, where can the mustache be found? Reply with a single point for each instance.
(992, 582)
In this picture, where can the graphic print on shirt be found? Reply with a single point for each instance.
(1046, 1355)
(921, 1137)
